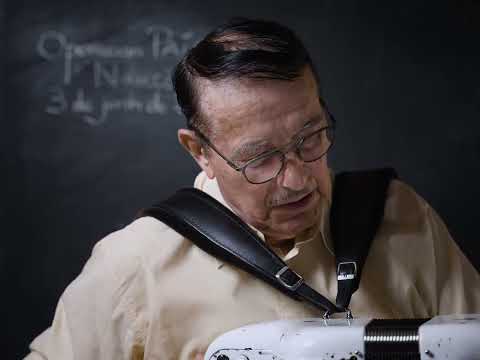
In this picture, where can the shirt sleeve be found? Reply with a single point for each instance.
(92, 319)
(457, 281)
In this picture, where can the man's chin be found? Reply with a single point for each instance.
(294, 226)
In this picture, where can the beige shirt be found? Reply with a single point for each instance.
(147, 291)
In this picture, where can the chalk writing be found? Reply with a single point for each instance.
(98, 80)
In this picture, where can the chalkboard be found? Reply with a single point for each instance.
(90, 118)
(4, 165)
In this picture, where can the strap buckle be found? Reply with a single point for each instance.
(347, 270)
(294, 286)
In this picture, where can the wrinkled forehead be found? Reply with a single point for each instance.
(257, 107)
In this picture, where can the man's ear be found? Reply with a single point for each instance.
(191, 143)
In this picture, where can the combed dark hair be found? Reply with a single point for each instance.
(239, 48)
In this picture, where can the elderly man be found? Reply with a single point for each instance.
(260, 131)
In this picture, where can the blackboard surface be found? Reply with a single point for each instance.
(89, 121)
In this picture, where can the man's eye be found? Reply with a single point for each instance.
(263, 162)
(258, 163)
(248, 158)
(313, 140)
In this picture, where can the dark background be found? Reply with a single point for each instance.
(402, 79)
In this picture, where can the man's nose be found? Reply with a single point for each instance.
(294, 174)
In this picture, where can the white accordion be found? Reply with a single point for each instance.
(453, 337)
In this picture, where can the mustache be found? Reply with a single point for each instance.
(288, 197)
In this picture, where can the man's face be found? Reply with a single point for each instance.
(249, 117)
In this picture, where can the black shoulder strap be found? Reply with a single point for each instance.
(219, 232)
(358, 204)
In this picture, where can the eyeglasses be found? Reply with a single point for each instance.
(266, 166)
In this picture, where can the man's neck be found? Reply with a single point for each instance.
(280, 246)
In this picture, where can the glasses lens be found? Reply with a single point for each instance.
(315, 145)
(264, 168)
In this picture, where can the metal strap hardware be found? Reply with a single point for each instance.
(349, 315)
(298, 278)
(347, 270)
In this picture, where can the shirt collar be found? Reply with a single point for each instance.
(322, 227)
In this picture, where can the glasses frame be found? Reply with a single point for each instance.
(284, 150)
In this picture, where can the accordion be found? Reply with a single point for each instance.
(455, 337)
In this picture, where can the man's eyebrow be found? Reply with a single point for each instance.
(313, 121)
(249, 149)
